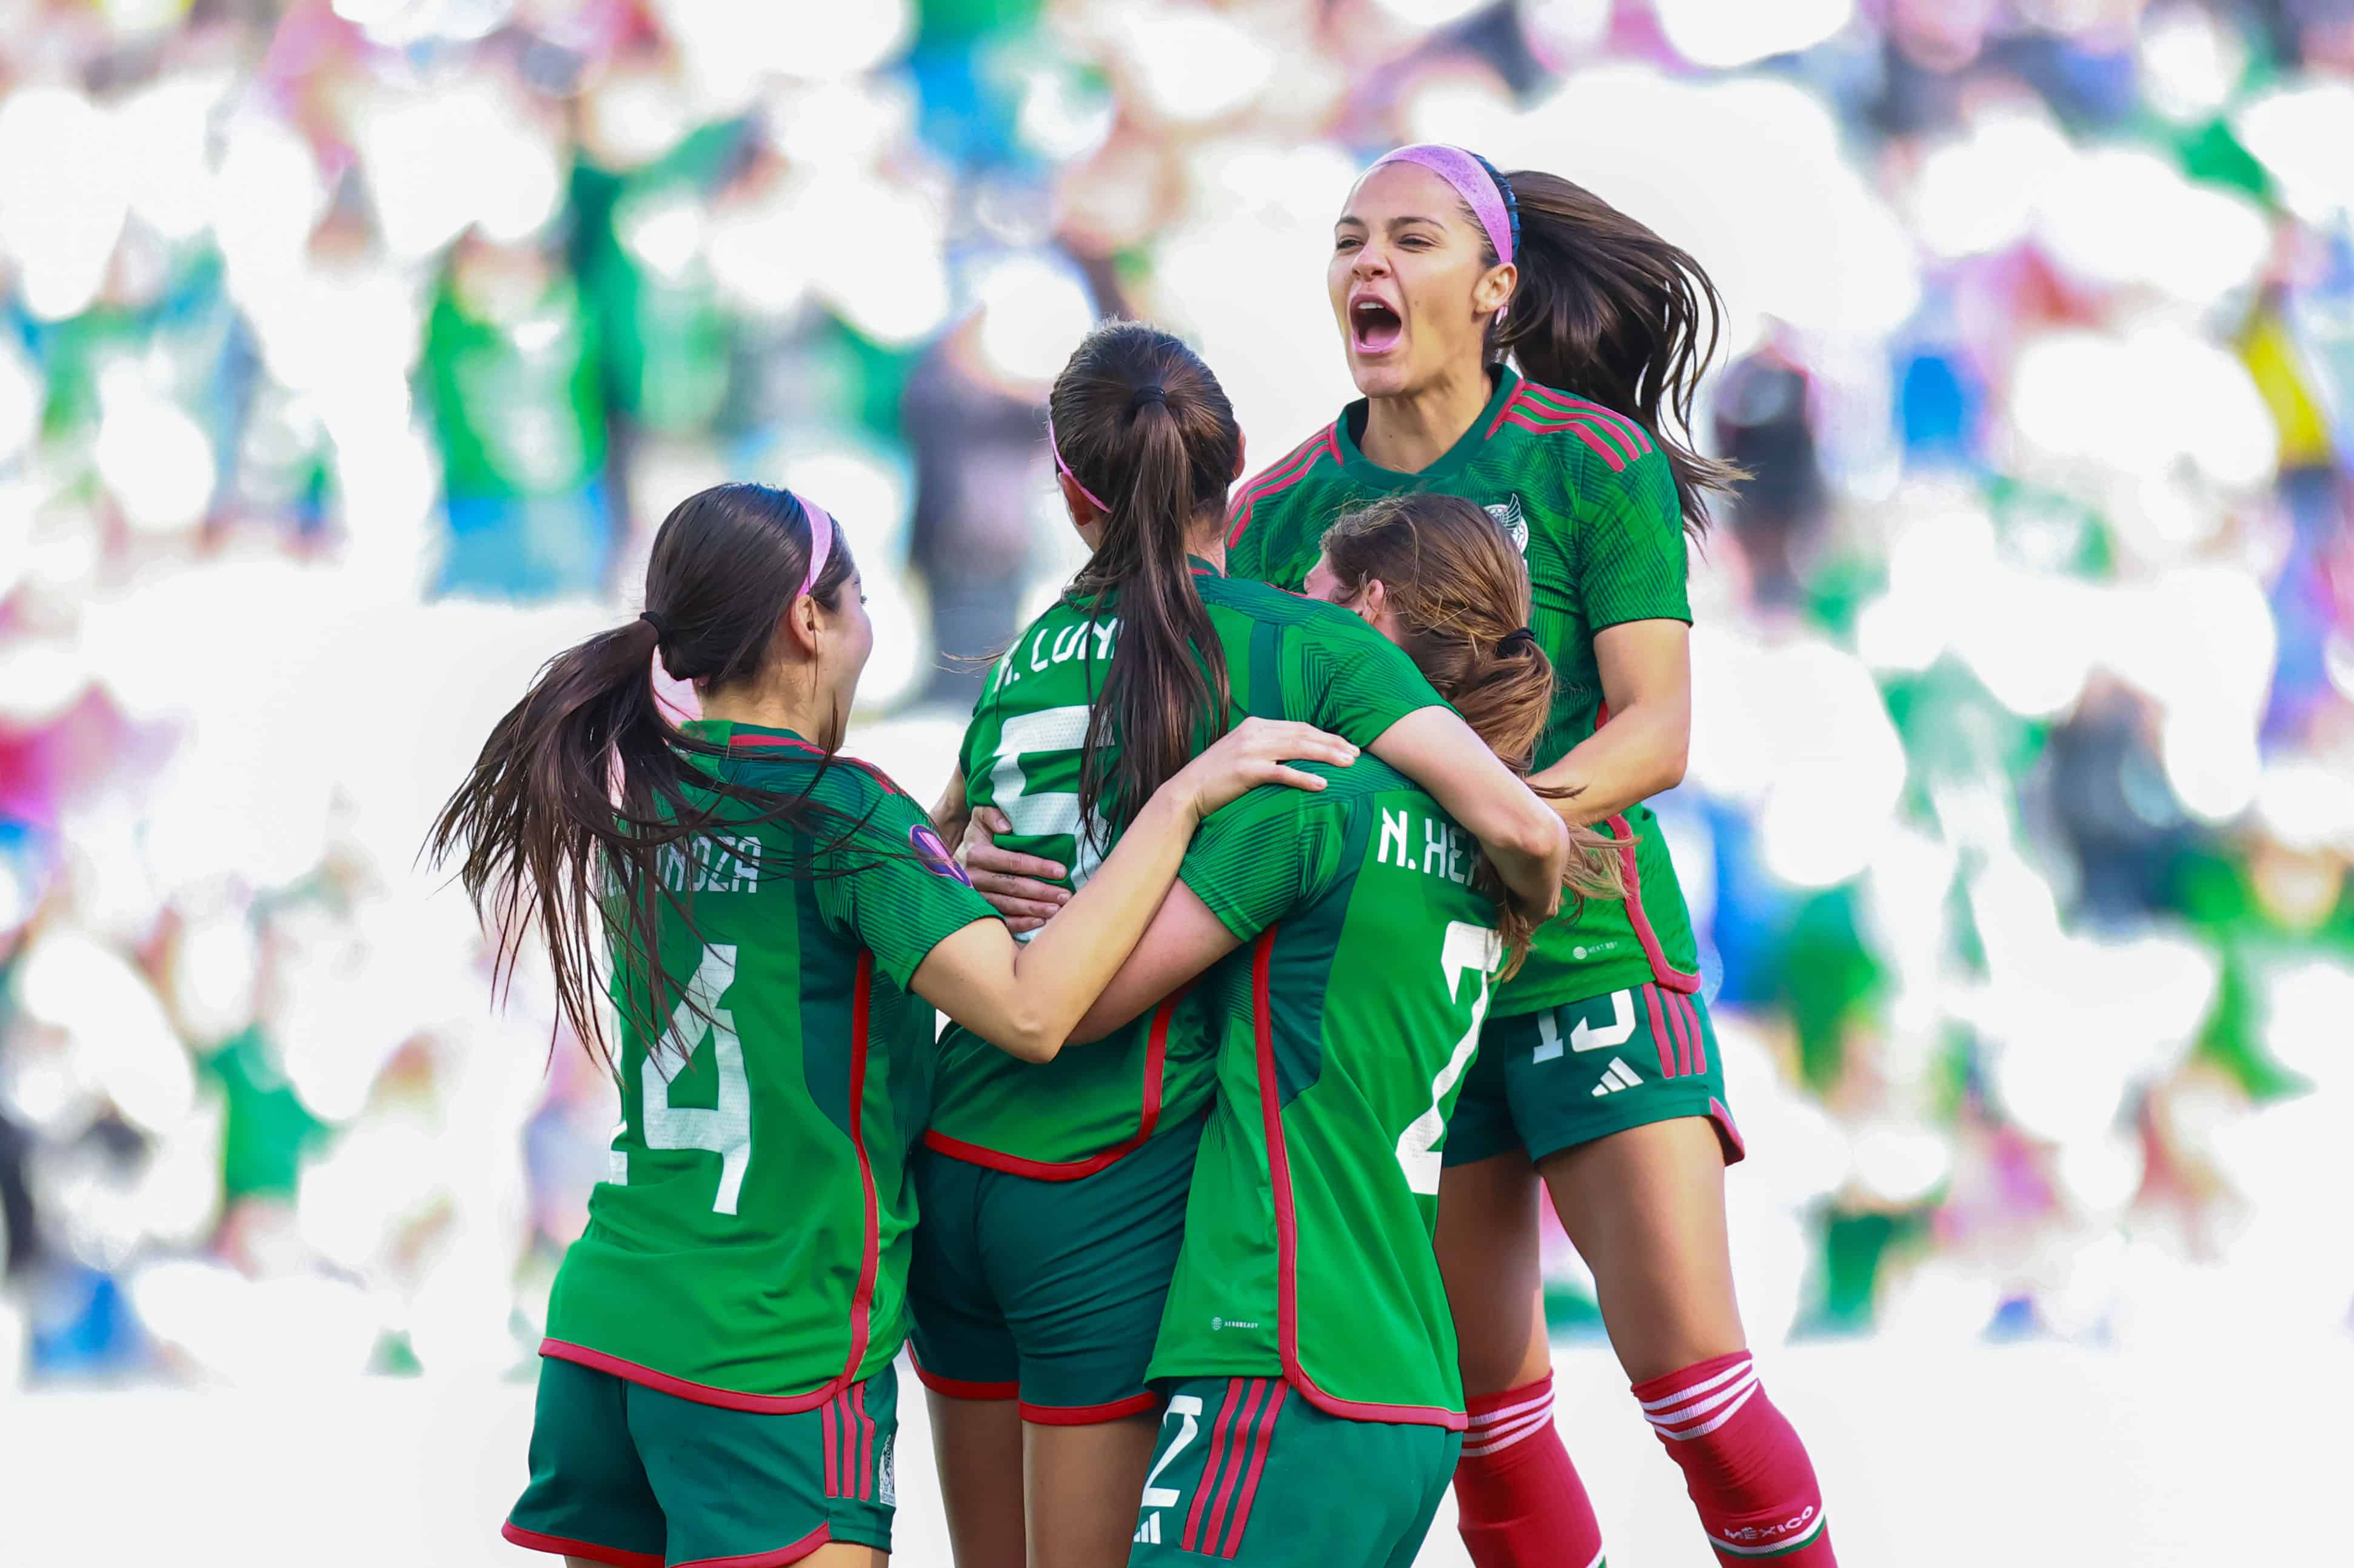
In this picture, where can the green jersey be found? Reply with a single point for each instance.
(1286, 658)
(750, 1246)
(1344, 1029)
(1588, 499)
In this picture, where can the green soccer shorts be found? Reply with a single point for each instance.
(1248, 1471)
(1552, 1080)
(1048, 1292)
(625, 1474)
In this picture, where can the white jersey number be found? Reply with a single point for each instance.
(1481, 951)
(725, 1128)
(1043, 813)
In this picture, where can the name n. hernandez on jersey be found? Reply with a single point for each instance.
(1587, 498)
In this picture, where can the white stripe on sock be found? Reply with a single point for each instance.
(1731, 1411)
(1497, 1439)
(1507, 1412)
(1727, 1375)
(1700, 1407)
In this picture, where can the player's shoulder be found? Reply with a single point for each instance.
(1599, 451)
(835, 780)
(1290, 478)
(1258, 601)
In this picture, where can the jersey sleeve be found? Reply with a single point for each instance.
(1345, 677)
(1263, 856)
(1630, 558)
(895, 885)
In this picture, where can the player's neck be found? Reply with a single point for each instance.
(770, 705)
(1209, 543)
(1409, 432)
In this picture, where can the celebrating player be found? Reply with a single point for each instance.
(1599, 1065)
(1053, 1198)
(716, 1382)
(1306, 1347)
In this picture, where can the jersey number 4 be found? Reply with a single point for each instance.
(1481, 951)
(725, 1127)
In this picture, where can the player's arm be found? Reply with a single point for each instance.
(1183, 940)
(1646, 668)
(1024, 1000)
(1524, 837)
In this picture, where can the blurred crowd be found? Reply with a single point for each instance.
(352, 353)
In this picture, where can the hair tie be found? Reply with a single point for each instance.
(1148, 395)
(1516, 634)
(661, 631)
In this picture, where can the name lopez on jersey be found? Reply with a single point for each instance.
(1447, 850)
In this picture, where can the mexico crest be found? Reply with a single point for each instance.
(1515, 526)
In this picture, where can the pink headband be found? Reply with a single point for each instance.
(1053, 447)
(1471, 180)
(820, 542)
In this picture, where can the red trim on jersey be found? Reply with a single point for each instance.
(1287, 1229)
(1262, 1439)
(1578, 428)
(532, 1541)
(1209, 1466)
(1294, 465)
(783, 1554)
(1659, 1031)
(1237, 1457)
(700, 1393)
(1667, 974)
(1156, 1059)
(1088, 1415)
(1632, 436)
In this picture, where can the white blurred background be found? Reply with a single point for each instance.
(350, 353)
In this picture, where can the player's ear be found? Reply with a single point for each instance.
(1372, 599)
(801, 624)
(1084, 513)
(1242, 454)
(1494, 291)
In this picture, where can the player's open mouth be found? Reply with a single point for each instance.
(1374, 326)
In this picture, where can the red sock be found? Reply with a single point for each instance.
(1518, 1500)
(1747, 1472)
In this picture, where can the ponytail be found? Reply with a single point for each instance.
(582, 786)
(1460, 597)
(1136, 417)
(1608, 310)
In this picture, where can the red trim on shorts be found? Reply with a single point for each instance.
(1659, 1031)
(1699, 1041)
(1088, 1415)
(1156, 1060)
(1263, 1439)
(1287, 1229)
(1736, 1148)
(1209, 1466)
(866, 1442)
(958, 1388)
(1237, 1457)
(532, 1541)
(1291, 471)
(861, 1302)
(1683, 1038)
(781, 1555)
(832, 1471)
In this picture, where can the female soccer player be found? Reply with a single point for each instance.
(1599, 1066)
(717, 1377)
(1053, 1198)
(1305, 1348)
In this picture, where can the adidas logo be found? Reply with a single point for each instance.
(1148, 1532)
(1615, 1077)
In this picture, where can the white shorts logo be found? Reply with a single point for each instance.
(887, 1487)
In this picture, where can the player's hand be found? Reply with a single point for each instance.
(1257, 752)
(1015, 884)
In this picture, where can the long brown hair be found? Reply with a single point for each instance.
(1143, 424)
(565, 818)
(1608, 310)
(1461, 595)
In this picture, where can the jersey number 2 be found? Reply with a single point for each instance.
(1479, 950)
(726, 1128)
